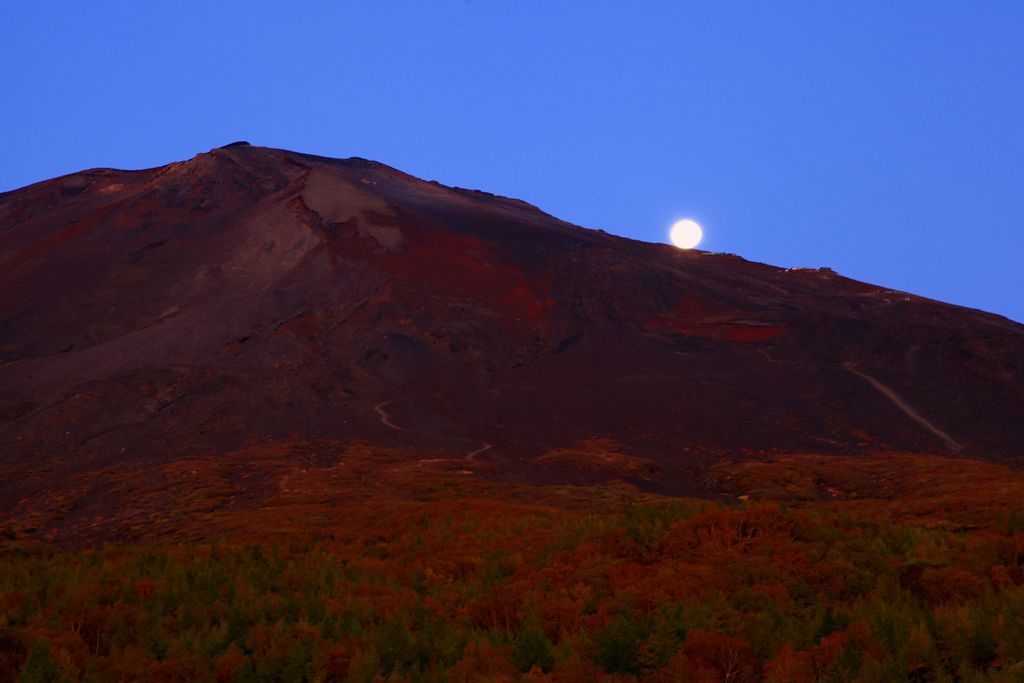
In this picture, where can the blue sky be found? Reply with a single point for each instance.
(884, 140)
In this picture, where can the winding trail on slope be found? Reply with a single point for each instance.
(385, 419)
(904, 406)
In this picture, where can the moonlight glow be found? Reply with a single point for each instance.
(685, 234)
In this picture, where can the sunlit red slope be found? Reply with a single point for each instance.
(254, 296)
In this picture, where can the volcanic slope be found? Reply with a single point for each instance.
(254, 298)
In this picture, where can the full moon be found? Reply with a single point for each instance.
(685, 234)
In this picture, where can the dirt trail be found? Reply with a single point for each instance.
(483, 449)
(905, 407)
(385, 419)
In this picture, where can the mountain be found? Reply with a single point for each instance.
(237, 327)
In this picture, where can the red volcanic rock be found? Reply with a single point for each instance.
(256, 296)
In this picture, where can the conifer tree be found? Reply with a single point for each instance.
(533, 648)
(40, 667)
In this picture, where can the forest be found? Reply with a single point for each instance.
(485, 590)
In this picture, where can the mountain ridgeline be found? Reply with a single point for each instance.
(254, 305)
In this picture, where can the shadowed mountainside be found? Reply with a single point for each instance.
(254, 300)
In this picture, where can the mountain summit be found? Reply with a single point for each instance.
(253, 297)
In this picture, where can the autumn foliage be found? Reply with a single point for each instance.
(482, 591)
